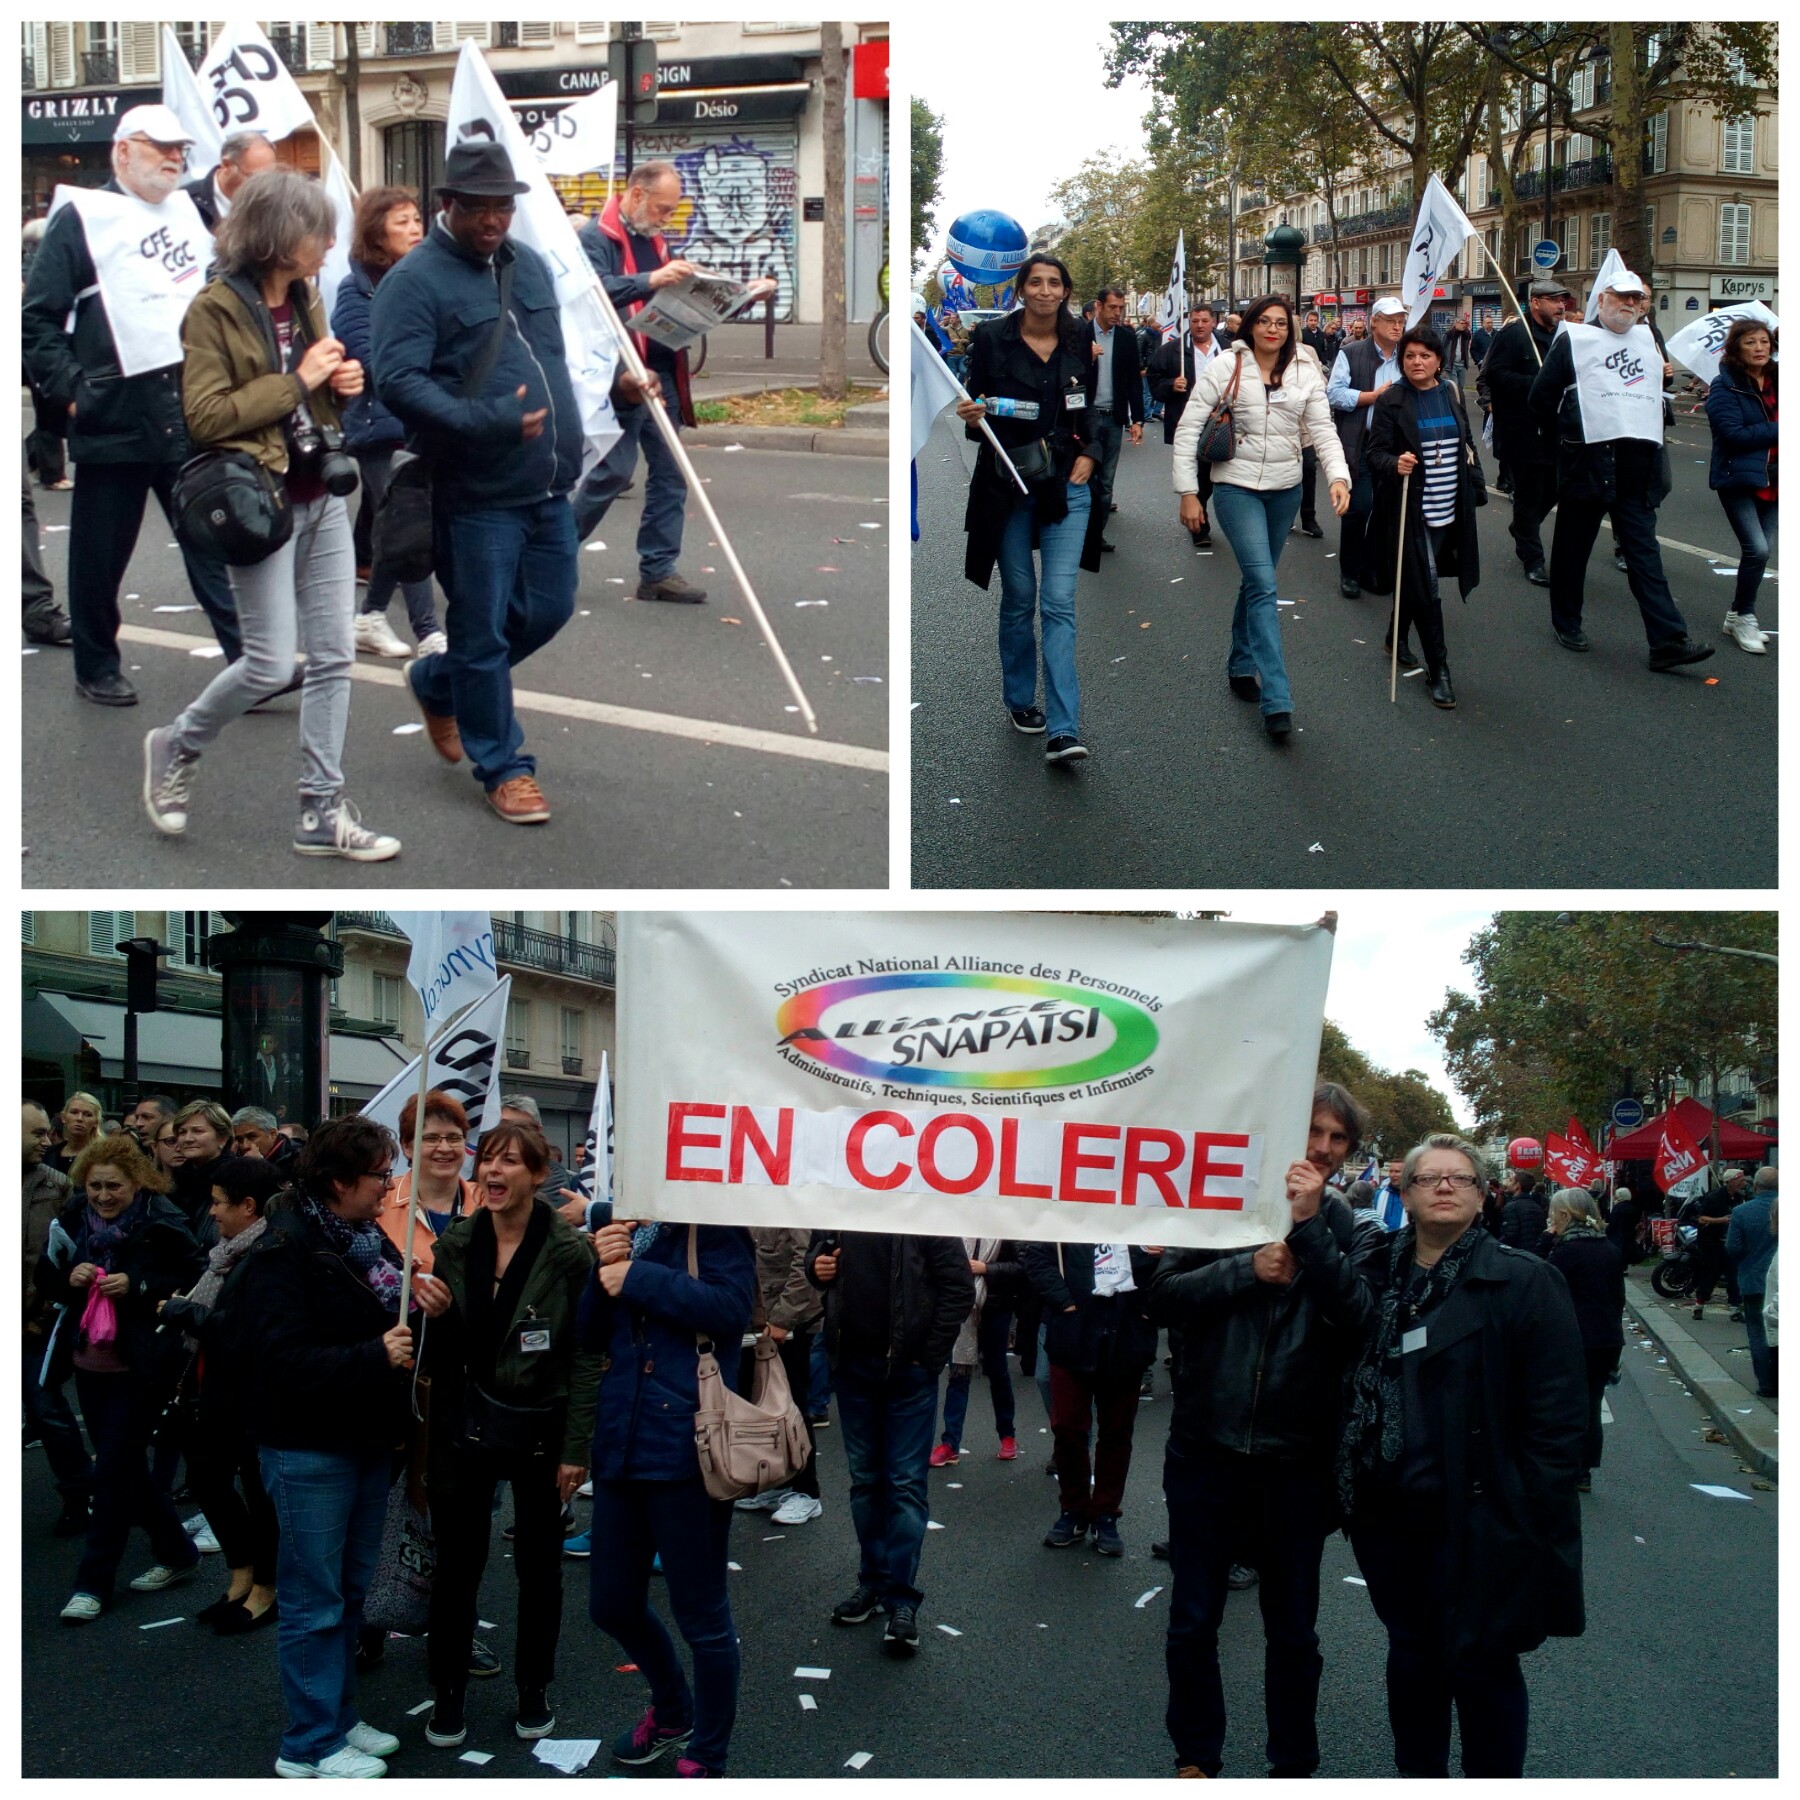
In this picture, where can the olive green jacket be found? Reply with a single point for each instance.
(231, 391)
(563, 1375)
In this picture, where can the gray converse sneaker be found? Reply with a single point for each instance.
(168, 782)
(335, 828)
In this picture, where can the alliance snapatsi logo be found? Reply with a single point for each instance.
(953, 1027)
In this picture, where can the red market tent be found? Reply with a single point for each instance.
(1735, 1143)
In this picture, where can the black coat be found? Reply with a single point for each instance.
(1128, 373)
(159, 1258)
(1173, 359)
(117, 419)
(1108, 1337)
(1259, 1367)
(319, 1374)
(930, 1293)
(1393, 430)
(1593, 472)
(1595, 1271)
(1507, 371)
(206, 204)
(1003, 366)
(1503, 1384)
(1523, 1221)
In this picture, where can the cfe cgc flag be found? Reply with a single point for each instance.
(1439, 233)
(1699, 345)
(184, 97)
(581, 137)
(595, 1179)
(465, 1063)
(452, 959)
(973, 1074)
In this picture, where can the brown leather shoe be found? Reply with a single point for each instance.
(446, 740)
(520, 801)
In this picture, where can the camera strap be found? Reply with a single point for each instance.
(483, 367)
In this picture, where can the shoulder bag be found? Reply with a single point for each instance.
(746, 1446)
(1218, 436)
(401, 541)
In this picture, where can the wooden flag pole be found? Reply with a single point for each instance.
(1394, 635)
(1524, 318)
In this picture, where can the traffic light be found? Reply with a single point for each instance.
(631, 62)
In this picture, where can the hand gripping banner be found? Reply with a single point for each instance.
(1015, 1075)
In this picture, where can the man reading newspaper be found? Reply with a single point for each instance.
(625, 245)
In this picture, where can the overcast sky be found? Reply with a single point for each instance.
(996, 153)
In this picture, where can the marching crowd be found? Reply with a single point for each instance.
(338, 1360)
(1254, 405)
(439, 386)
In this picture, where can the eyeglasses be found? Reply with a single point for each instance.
(1426, 1178)
(501, 208)
(381, 1175)
(435, 1140)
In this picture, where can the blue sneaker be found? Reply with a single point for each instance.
(656, 1567)
(579, 1546)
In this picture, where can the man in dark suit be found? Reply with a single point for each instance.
(243, 154)
(1119, 397)
(1173, 372)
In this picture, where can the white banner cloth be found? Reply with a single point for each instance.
(580, 137)
(1697, 346)
(184, 97)
(1618, 381)
(150, 262)
(465, 1064)
(986, 1074)
(1439, 233)
(1173, 315)
(932, 386)
(249, 86)
(595, 1179)
(452, 959)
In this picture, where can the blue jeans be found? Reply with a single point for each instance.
(665, 492)
(121, 1414)
(330, 1509)
(1256, 525)
(1024, 599)
(818, 1391)
(47, 1413)
(887, 1423)
(1761, 1362)
(510, 574)
(1753, 521)
(990, 1346)
(632, 1522)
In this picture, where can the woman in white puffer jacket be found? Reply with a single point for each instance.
(1279, 408)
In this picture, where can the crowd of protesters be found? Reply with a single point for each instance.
(318, 1344)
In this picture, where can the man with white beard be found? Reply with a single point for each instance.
(124, 274)
(1601, 385)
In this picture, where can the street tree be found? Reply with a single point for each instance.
(927, 174)
(1402, 1108)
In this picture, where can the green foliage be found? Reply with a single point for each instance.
(927, 173)
(1404, 1107)
(1567, 1016)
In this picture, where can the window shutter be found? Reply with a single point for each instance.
(592, 31)
(321, 46)
(40, 55)
(536, 35)
(1659, 143)
(28, 928)
(1739, 147)
(669, 28)
(1734, 234)
(443, 36)
(138, 52)
(175, 936)
(106, 929)
(62, 55)
(478, 33)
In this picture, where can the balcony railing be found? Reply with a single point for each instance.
(99, 68)
(1589, 172)
(378, 922)
(553, 954)
(517, 1058)
(409, 40)
(571, 1065)
(1366, 224)
(291, 49)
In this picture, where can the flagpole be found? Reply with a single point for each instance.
(987, 430)
(1394, 635)
(1495, 269)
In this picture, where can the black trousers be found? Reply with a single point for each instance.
(45, 449)
(1533, 495)
(1577, 526)
(462, 1521)
(1309, 481)
(104, 522)
(244, 1524)
(40, 596)
(1602, 1365)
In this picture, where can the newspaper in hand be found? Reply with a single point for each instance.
(689, 308)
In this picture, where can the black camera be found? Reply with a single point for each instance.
(318, 450)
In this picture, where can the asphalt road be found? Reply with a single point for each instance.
(666, 740)
(1055, 1671)
(1555, 770)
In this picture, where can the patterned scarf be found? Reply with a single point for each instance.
(1374, 1418)
(219, 1261)
(363, 1245)
(105, 1236)
(643, 1238)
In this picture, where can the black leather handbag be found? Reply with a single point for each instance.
(1218, 436)
(227, 506)
(508, 1430)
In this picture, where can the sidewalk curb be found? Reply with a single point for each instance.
(834, 442)
(1754, 1436)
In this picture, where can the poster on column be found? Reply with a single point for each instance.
(1052, 1077)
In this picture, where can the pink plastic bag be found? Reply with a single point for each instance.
(100, 1321)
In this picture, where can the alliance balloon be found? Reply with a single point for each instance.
(987, 247)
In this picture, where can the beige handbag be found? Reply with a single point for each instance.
(746, 1446)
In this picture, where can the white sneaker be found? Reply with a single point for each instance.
(1749, 635)
(160, 1576)
(341, 1765)
(81, 1608)
(433, 643)
(371, 1741)
(374, 633)
(763, 1502)
(798, 1509)
(204, 1541)
(585, 1491)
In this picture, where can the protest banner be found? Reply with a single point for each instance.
(1064, 1078)
(452, 958)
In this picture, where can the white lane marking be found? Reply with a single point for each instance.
(1729, 556)
(626, 718)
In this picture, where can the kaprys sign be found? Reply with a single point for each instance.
(969, 1074)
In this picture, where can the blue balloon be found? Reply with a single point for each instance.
(987, 247)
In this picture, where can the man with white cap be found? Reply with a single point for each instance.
(1364, 366)
(122, 263)
(1600, 390)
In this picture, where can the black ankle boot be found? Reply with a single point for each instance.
(1437, 685)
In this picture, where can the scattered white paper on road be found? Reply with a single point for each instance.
(1606, 1417)
(1746, 1409)
(1636, 1540)
(486, 1624)
(736, 1568)
(808, 1703)
(31, 652)
(1718, 1493)
(812, 602)
(135, 597)
(207, 650)
(875, 679)
(1355, 1581)
(933, 1525)
(728, 450)
(869, 525)
(408, 730)
(477, 1757)
(1311, 848)
(188, 608)
(158, 1624)
(776, 1538)
(65, 528)
(949, 1631)
(1145, 1598)
(1410, 673)
(412, 1712)
(861, 1759)
(812, 1674)
(571, 1755)
(955, 1484)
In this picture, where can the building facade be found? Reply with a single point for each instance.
(740, 112)
(559, 1022)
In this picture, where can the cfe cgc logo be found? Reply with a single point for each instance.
(1629, 368)
(955, 1029)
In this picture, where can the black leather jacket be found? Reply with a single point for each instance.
(1260, 1368)
(930, 1293)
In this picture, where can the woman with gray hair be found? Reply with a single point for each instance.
(1457, 1466)
(1590, 1262)
(262, 376)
